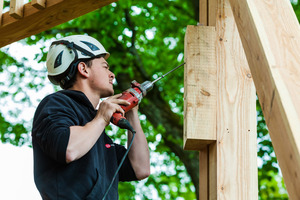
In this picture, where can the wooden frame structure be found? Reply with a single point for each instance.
(265, 35)
(220, 116)
(39, 15)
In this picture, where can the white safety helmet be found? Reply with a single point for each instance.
(64, 55)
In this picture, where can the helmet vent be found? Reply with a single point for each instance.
(91, 46)
(58, 59)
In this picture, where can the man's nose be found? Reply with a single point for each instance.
(112, 75)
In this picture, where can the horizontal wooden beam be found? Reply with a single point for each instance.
(270, 35)
(200, 86)
(35, 20)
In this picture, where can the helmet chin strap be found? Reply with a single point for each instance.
(71, 73)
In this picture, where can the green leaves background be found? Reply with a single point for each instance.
(145, 39)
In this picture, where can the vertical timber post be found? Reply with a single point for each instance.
(228, 160)
(200, 87)
(236, 113)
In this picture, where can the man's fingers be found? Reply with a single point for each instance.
(120, 110)
(115, 99)
(115, 96)
(119, 102)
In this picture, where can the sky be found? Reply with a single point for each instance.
(16, 163)
(16, 172)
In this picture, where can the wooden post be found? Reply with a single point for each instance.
(16, 9)
(200, 78)
(270, 34)
(207, 12)
(236, 146)
(227, 165)
(212, 12)
(203, 12)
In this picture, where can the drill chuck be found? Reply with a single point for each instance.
(146, 86)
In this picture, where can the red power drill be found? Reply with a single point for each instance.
(134, 96)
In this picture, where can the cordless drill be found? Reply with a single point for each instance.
(134, 95)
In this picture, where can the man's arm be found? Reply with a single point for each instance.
(79, 144)
(139, 152)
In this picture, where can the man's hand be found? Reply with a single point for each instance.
(111, 105)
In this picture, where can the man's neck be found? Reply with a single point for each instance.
(92, 96)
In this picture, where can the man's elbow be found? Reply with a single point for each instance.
(143, 173)
(70, 156)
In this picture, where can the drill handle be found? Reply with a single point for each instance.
(129, 96)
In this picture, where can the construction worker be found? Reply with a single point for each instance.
(73, 156)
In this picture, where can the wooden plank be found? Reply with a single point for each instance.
(203, 173)
(236, 146)
(270, 35)
(1, 10)
(203, 12)
(36, 21)
(39, 4)
(199, 87)
(16, 9)
(212, 12)
(212, 172)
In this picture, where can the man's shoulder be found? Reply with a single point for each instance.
(63, 95)
(56, 97)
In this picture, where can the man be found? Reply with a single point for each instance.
(73, 156)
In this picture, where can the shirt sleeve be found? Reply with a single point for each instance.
(51, 126)
(126, 172)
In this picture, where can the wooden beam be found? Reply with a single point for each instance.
(16, 9)
(199, 87)
(236, 146)
(203, 12)
(204, 173)
(35, 21)
(39, 4)
(270, 34)
(207, 12)
(212, 12)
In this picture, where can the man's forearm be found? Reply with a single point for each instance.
(139, 152)
(83, 138)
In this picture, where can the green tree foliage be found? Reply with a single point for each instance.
(145, 39)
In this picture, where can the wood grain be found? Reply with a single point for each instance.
(203, 12)
(236, 146)
(16, 9)
(199, 87)
(39, 4)
(270, 35)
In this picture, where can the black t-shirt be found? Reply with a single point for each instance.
(85, 178)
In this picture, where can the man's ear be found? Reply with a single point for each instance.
(82, 69)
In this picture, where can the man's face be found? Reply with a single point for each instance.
(101, 78)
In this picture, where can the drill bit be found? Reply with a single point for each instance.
(167, 73)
